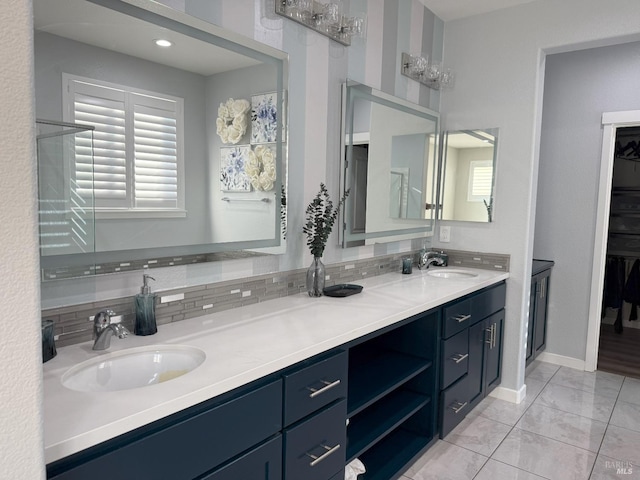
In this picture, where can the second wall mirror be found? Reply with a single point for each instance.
(467, 175)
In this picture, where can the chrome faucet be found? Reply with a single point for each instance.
(431, 257)
(103, 329)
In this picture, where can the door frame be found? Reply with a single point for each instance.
(611, 121)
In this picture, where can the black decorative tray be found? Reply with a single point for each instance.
(342, 290)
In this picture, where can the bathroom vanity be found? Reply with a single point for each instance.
(293, 388)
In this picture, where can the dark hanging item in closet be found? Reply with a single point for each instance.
(614, 286)
(632, 290)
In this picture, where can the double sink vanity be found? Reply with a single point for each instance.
(265, 391)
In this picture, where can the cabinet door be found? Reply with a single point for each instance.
(477, 338)
(532, 319)
(542, 303)
(261, 463)
(493, 351)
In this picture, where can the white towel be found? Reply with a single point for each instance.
(354, 469)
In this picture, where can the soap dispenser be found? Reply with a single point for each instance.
(145, 306)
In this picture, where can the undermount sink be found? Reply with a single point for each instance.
(449, 273)
(133, 368)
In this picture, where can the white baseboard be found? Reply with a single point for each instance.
(509, 395)
(562, 360)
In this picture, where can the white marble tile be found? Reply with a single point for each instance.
(545, 457)
(541, 371)
(576, 401)
(445, 461)
(607, 468)
(479, 434)
(563, 426)
(598, 383)
(500, 410)
(493, 470)
(626, 415)
(621, 444)
(630, 391)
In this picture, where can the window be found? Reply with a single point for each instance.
(136, 166)
(480, 180)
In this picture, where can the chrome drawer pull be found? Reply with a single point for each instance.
(316, 459)
(462, 318)
(459, 407)
(459, 357)
(327, 386)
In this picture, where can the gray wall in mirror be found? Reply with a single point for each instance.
(467, 175)
(210, 224)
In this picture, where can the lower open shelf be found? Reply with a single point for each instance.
(372, 424)
(388, 458)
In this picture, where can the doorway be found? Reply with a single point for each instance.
(611, 121)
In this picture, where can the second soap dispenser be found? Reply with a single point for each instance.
(145, 306)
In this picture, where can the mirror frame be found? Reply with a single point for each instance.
(168, 18)
(415, 228)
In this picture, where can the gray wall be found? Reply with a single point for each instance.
(579, 87)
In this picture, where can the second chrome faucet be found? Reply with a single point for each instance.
(103, 329)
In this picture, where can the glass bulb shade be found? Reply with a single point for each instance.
(418, 65)
(330, 14)
(434, 71)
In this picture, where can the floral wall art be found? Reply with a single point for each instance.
(233, 164)
(264, 118)
(231, 123)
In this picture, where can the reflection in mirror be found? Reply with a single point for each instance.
(174, 171)
(390, 147)
(467, 175)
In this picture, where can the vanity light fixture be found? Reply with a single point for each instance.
(162, 42)
(418, 68)
(327, 19)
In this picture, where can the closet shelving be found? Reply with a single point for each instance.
(624, 222)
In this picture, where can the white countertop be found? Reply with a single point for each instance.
(241, 345)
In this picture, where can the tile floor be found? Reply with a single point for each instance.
(573, 425)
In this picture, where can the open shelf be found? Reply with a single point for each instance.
(370, 380)
(388, 458)
(369, 426)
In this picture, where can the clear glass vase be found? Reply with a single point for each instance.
(315, 278)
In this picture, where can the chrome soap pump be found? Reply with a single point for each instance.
(145, 307)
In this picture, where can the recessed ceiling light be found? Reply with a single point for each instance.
(161, 42)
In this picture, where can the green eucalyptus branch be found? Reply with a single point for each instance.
(320, 217)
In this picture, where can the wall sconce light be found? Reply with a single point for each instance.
(324, 18)
(433, 75)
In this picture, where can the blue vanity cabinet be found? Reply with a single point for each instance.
(471, 354)
(392, 401)
(188, 444)
(538, 307)
(315, 414)
(262, 463)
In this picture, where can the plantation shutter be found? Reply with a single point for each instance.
(481, 179)
(155, 152)
(137, 155)
(105, 174)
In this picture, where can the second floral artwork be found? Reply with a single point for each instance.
(242, 167)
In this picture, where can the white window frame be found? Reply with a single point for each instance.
(134, 100)
(475, 166)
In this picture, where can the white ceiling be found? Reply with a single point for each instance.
(454, 9)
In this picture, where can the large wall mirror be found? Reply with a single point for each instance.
(154, 155)
(467, 175)
(390, 147)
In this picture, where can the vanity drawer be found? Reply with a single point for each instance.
(455, 358)
(454, 405)
(316, 448)
(314, 386)
(261, 463)
(463, 313)
(187, 448)
(457, 317)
